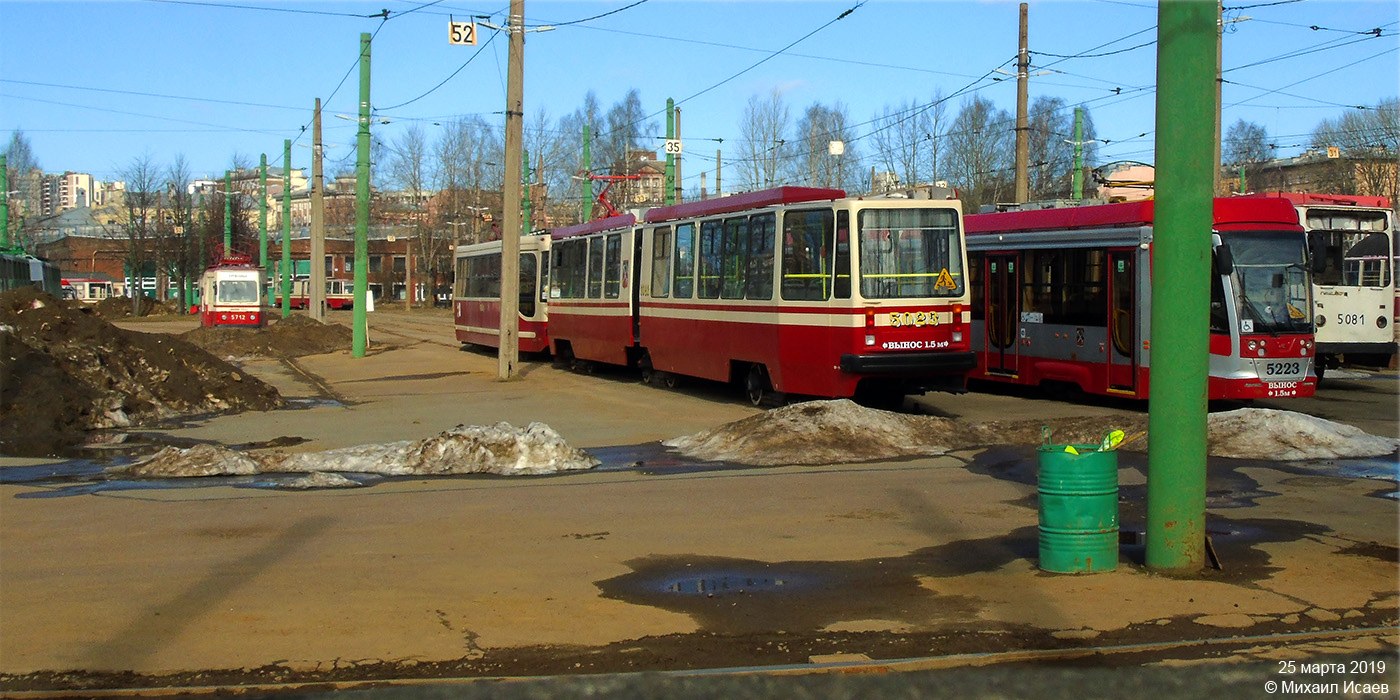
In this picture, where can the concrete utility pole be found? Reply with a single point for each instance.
(360, 323)
(670, 196)
(508, 353)
(4, 204)
(262, 212)
(587, 173)
(317, 303)
(228, 212)
(717, 164)
(1077, 178)
(679, 195)
(286, 228)
(1023, 136)
(1176, 418)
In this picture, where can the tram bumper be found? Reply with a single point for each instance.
(913, 364)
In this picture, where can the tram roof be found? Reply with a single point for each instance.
(594, 226)
(1229, 213)
(1343, 200)
(741, 202)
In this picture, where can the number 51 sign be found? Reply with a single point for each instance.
(461, 33)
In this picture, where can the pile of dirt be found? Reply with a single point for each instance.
(500, 449)
(114, 308)
(64, 370)
(835, 432)
(293, 336)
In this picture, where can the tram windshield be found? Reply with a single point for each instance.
(1355, 245)
(1272, 289)
(907, 253)
(238, 291)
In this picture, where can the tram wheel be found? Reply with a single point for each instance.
(757, 387)
(648, 373)
(670, 380)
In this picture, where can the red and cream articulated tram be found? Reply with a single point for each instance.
(230, 294)
(789, 290)
(476, 294)
(1064, 295)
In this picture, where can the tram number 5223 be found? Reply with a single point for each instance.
(1274, 369)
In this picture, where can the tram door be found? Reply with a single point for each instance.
(1003, 312)
(1122, 321)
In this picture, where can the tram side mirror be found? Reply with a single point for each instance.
(1224, 259)
(1317, 252)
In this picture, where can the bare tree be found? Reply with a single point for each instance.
(762, 140)
(980, 153)
(24, 177)
(1370, 141)
(468, 160)
(185, 264)
(813, 161)
(902, 133)
(408, 168)
(141, 216)
(579, 189)
(626, 129)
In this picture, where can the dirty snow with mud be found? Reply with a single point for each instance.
(500, 449)
(839, 431)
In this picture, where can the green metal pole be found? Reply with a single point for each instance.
(1077, 193)
(1180, 338)
(286, 228)
(525, 207)
(4, 204)
(360, 324)
(587, 173)
(1244, 186)
(262, 212)
(228, 212)
(670, 157)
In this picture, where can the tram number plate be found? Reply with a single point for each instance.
(1277, 369)
(917, 319)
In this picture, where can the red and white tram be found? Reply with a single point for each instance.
(790, 290)
(476, 293)
(231, 294)
(340, 294)
(1065, 295)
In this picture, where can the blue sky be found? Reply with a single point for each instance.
(221, 79)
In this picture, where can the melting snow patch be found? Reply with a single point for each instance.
(499, 449)
(321, 480)
(1261, 433)
(818, 432)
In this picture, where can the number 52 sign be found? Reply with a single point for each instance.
(461, 33)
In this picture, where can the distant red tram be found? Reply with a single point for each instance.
(1065, 294)
(790, 290)
(231, 294)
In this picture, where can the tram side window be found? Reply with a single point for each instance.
(527, 284)
(759, 283)
(734, 261)
(710, 255)
(974, 280)
(595, 268)
(841, 273)
(1065, 286)
(459, 283)
(1219, 315)
(612, 273)
(807, 239)
(661, 262)
(685, 261)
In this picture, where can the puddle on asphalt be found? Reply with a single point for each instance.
(313, 402)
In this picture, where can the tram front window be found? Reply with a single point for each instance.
(1271, 284)
(238, 291)
(907, 253)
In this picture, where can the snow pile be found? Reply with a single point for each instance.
(499, 449)
(819, 432)
(1261, 433)
(835, 432)
(321, 480)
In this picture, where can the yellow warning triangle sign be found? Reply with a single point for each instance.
(945, 281)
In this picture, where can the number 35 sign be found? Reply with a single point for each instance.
(461, 33)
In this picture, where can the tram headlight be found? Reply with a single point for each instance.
(1253, 345)
(1381, 322)
(957, 336)
(870, 340)
(1320, 321)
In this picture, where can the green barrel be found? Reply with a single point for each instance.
(1078, 509)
